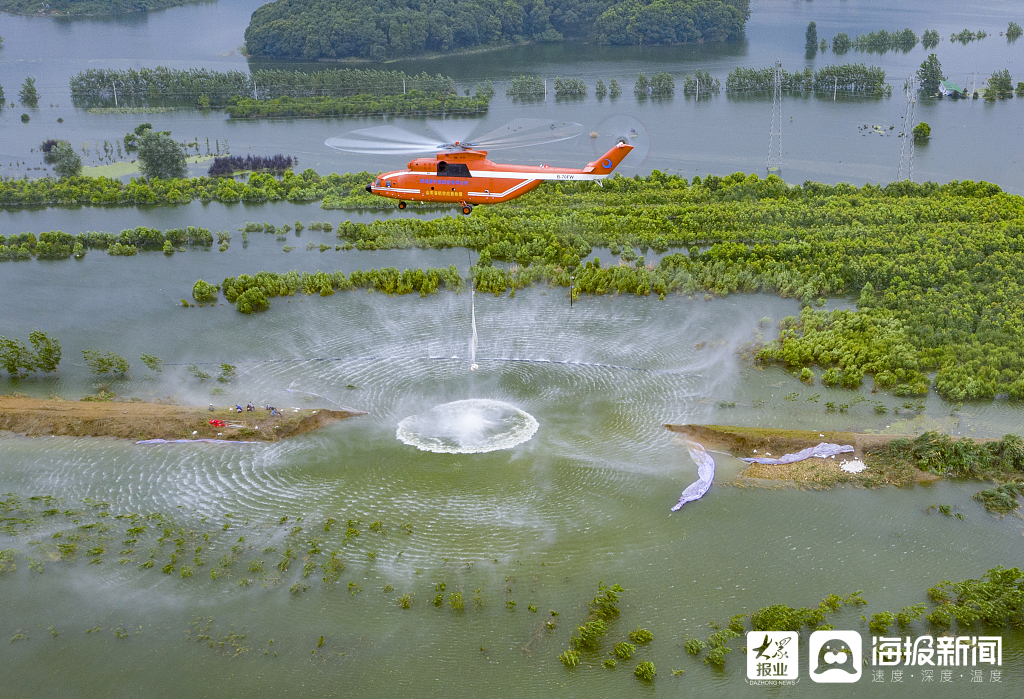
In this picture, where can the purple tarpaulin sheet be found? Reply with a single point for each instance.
(822, 451)
(705, 474)
(192, 441)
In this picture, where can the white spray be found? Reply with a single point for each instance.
(472, 340)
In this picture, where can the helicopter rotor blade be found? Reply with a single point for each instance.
(521, 133)
(385, 140)
(394, 140)
(454, 130)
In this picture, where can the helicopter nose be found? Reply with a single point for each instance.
(369, 188)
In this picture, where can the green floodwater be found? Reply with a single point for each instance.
(586, 499)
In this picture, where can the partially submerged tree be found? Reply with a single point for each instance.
(811, 40)
(28, 94)
(105, 363)
(161, 157)
(66, 162)
(930, 74)
(47, 350)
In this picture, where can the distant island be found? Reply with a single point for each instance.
(337, 29)
(90, 7)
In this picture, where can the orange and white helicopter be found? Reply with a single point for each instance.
(460, 172)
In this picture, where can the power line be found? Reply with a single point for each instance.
(775, 135)
(907, 137)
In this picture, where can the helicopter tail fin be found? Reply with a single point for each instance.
(610, 160)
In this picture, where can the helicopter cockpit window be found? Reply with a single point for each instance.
(453, 169)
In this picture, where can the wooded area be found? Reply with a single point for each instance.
(317, 29)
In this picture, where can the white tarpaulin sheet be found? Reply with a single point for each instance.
(705, 474)
(822, 451)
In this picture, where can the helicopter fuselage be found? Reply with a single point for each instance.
(467, 177)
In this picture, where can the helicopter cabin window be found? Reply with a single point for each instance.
(453, 169)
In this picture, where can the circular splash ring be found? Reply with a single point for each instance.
(473, 426)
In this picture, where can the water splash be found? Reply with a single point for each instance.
(473, 426)
(472, 339)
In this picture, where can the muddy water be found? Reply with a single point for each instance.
(585, 499)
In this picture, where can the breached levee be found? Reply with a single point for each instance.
(473, 426)
(142, 421)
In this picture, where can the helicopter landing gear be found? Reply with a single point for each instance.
(401, 205)
(467, 209)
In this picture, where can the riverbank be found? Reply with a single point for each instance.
(138, 420)
(744, 442)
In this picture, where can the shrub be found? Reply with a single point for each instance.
(645, 671)
(570, 658)
(204, 292)
(624, 650)
(641, 636)
(252, 301)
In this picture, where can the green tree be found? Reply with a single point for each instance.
(204, 291)
(922, 132)
(28, 94)
(15, 358)
(930, 74)
(642, 86)
(47, 350)
(227, 372)
(1000, 85)
(105, 363)
(153, 363)
(66, 162)
(160, 156)
(811, 39)
(1013, 32)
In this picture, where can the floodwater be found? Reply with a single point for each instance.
(585, 499)
(822, 139)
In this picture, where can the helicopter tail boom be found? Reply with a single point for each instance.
(610, 160)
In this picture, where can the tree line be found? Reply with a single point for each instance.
(174, 85)
(58, 245)
(251, 293)
(318, 29)
(414, 103)
(848, 77)
(90, 7)
(307, 186)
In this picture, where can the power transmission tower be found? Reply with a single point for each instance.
(775, 137)
(907, 139)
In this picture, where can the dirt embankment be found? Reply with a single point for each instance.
(745, 442)
(138, 420)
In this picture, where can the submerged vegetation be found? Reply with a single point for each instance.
(413, 103)
(882, 41)
(847, 77)
(251, 294)
(191, 85)
(57, 245)
(937, 270)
